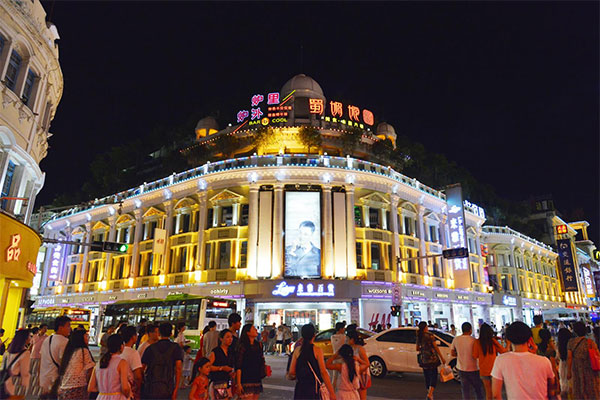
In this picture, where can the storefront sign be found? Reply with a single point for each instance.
(13, 251)
(55, 263)
(379, 291)
(587, 280)
(219, 291)
(338, 112)
(442, 295)
(354, 312)
(565, 257)
(112, 297)
(304, 290)
(561, 229)
(597, 281)
(596, 254)
(509, 301)
(31, 267)
(462, 297)
(142, 295)
(458, 235)
(418, 293)
(160, 241)
(481, 298)
(46, 301)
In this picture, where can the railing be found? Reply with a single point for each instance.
(505, 230)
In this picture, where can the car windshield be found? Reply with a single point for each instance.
(365, 332)
(444, 336)
(325, 335)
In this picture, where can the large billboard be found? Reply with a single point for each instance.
(458, 235)
(303, 234)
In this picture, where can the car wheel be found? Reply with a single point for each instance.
(377, 367)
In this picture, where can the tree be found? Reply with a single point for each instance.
(350, 139)
(310, 137)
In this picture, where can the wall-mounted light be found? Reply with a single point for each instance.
(327, 177)
(138, 203)
(88, 216)
(111, 210)
(350, 179)
(167, 194)
(202, 184)
(252, 177)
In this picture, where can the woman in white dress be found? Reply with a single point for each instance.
(17, 357)
(109, 377)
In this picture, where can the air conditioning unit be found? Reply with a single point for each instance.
(377, 275)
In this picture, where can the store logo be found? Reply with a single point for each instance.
(283, 289)
(219, 291)
(509, 301)
(379, 291)
(13, 251)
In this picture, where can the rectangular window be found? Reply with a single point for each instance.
(388, 221)
(358, 216)
(184, 223)
(374, 218)
(474, 269)
(207, 256)
(209, 218)
(12, 72)
(359, 254)
(73, 272)
(375, 256)
(10, 172)
(150, 258)
(243, 253)
(2, 42)
(28, 89)
(433, 234)
(245, 208)
(129, 234)
(182, 259)
(224, 254)
(407, 226)
(227, 216)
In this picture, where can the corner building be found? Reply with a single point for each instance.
(290, 230)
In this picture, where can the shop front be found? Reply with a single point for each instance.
(533, 307)
(375, 305)
(506, 309)
(19, 249)
(299, 302)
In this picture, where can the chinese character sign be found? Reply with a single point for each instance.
(316, 106)
(55, 263)
(456, 228)
(587, 280)
(13, 251)
(567, 266)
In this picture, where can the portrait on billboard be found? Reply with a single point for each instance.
(302, 234)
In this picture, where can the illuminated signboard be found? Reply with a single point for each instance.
(561, 229)
(220, 304)
(262, 114)
(587, 279)
(596, 255)
(304, 290)
(565, 257)
(458, 236)
(597, 281)
(302, 234)
(13, 251)
(55, 263)
(509, 301)
(337, 112)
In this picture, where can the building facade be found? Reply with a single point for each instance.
(31, 86)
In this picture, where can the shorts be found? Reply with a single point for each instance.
(279, 342)
(287, 342)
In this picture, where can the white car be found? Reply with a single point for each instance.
(395, 350)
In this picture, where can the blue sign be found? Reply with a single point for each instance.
(304, 290)
(567, 265)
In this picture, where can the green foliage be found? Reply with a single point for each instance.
(350, 139)
(310, 137)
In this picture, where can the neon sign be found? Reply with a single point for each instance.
(561, 229)
(55, 263)
(509, 301)
(304, 290)
(13, 251)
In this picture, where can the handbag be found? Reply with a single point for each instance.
(222, 391)
(594, 356)
(365, 380)
(446, 374)
(320, 386)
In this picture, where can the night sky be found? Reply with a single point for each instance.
(508, 90)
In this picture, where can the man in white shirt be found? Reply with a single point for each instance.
(462, 349)
(52, 352)
(338, 339)
(152, 332)
(129, 335)
(524, 374)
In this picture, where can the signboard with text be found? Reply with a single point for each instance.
(597, 281)
(587, 280)
(458, 235)
(567, 265)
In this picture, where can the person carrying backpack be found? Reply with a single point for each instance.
(163, 361)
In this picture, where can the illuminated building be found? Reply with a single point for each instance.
(30, 88)
(523, 273)
(587, 258)
(294, 231)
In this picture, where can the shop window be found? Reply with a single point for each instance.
(374, 218)
(375, 256)
(207, 254)
(227, 216)
(28, 89)
(224, 254)
(399, 336)
(243, 254)
(359, 255)
(358, 216)
(245, 209)
(209, 218)
(12, 72)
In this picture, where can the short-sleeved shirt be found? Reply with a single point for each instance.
(535, 332)
(76, 373)
(36, 347)
(143, 348)
(463, 345)
(132, 357)
(162, 346)
(486, 361)
(337, 341)
(48, 364)
(525, 375)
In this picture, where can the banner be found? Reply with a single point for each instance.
(597, 281)
(302, 235)
(587, 280)
(458, 235)
(160, 241)
(567, 266)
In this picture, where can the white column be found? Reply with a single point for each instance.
(277, 259)
(166, 258)
(135, 254)
(395, 199)
(421, 235)
(252, 230)
(350, 232)
(112, 233)
(478, 251)
(327, 233)
(444, 263)
(202, 214)
(86, 249)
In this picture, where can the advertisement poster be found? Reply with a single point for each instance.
(458, 235)
(303, 234)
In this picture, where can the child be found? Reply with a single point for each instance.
(349, 369)
(199, 389)
(187, 366)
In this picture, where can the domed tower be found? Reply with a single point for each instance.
(206, 126)
(386, 131)
(308, 97)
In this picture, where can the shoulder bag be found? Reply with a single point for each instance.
(320, 387)
(5, 375)
(594, 356)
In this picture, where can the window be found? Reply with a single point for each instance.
(243, 253)
(359, 255)
(2, 42)
(72, 275)
(209, 218)
(149, 229)
(227, 216)
(12, 72)
(522, 284)
(358, 216)
(433, 237)
(129, 234)
(10, 172)
(471, 245)
(184, 223)
(474, 268)
(375, 256)
(325, 335)
(408, 229)
(374, 218)
(504, 280)
(245, 209)
(181, 264)
(28, 89)
(224, 254)
(399, 336)
(207, 256)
